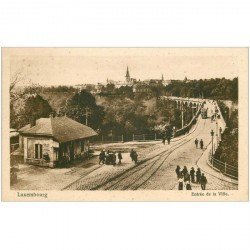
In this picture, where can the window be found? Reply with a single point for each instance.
(38, 151)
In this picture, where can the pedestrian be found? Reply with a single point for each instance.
(188, 186)
(186, 178)
(119, 157)
(109, 158)
(201, 144)
(132, 153)
(113, 156)
(163, 139)
(102, 157)
(203, 181)
(192, 173)
(196, 142)
(198, 175)
(184, 171)
(180, 186)
(135, 157)
(177, 171)
(169, 138)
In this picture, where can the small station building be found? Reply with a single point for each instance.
(55, 141)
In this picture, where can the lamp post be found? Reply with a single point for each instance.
(212, 134)
(220, 131)
(182, 119)
(216, 132)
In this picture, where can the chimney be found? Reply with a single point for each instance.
(32, 121)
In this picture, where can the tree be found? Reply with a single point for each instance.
(82, 107)
(35, 107)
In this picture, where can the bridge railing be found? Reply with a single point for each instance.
(223, 167)
(222, 120)
(186, 128)
(126, 138)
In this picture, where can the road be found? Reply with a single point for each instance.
(158, 173)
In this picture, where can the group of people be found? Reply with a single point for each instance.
(164, 137)
(185, 177)
(197, 143)
(109, 158)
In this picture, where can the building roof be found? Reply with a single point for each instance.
(26, 127)
(62, 129)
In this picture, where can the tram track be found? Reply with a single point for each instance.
(144, 172)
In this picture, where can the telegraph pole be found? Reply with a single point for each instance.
(182, 119)
(87, 113)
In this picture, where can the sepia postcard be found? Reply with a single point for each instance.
(125, 124)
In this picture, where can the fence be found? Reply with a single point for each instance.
(186, 128)
(107, 139)
(223, 167)
(126, 138)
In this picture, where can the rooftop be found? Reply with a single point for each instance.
(62, 129)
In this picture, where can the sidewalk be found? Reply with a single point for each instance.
(203, 164)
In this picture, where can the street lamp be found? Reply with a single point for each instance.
(216, 131)
(212, 134)
(220, 131)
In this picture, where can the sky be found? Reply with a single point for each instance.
(72, 69)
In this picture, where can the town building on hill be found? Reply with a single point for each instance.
(55, 141)
(146, 85)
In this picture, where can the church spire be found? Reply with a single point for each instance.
(162, 78)
(127, 75)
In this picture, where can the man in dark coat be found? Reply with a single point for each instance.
(192, 173)
(135, 157)
(107, 157)
(102, 157)
(163, 139)
(119, 157)
(177, 171)
(201, 144)
(186, 177)
(113, 157)
(184, 171)
(198, 175)
(203, 181)
(196, 142)
(132, 154)
(169, 138)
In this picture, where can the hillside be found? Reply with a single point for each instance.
(57, 99)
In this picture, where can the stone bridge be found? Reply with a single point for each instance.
(184, 101)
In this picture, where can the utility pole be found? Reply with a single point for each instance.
(87, 113)
(182, 119)
(212, 135)
(216, 118)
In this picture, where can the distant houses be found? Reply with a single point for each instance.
(144, 86)
(54, 141)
